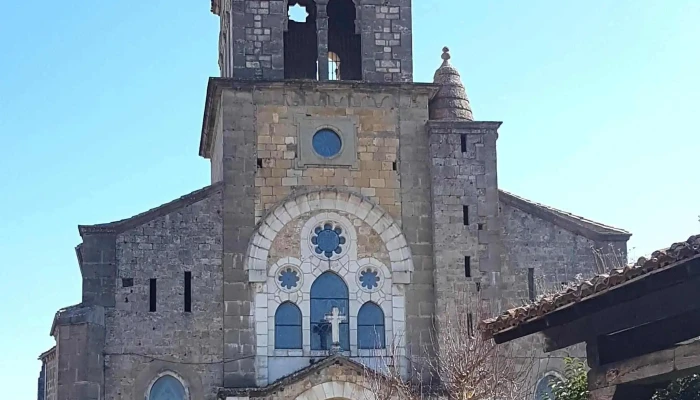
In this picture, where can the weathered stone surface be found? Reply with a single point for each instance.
(403, 183)
(187, 343)
(251, 39)
(557, 256)
(451, 101)
(48, 378)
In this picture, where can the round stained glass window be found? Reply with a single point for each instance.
(326, 143)
(369, 279)
(289, 278)
(328, 240)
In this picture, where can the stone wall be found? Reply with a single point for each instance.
(556, 255)
(387, 41)
(140, 343)
(466, 225)
(217, 162)
(261, 155)
(239, 168)
(251, 39)
(416, 217)
(377, 140)
(50, 377)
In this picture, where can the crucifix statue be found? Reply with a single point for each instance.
(334, 318)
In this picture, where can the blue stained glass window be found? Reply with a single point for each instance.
(326, 143)
(288, 278)
(370, 327)
(288, 326)
(328, 291)
(369, 278)
(544, 388)
(167, 387)
(328, 240)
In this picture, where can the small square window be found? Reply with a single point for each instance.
(127, 282)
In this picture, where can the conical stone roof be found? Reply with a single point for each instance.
(450, 102)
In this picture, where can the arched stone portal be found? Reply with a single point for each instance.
(337, 390)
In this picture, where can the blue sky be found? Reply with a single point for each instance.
(101, 107)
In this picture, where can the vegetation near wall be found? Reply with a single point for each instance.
(575, 385)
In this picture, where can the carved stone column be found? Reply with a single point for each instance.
(322, 35)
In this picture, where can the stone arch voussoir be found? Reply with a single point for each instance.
(329, 200)
(337, 390)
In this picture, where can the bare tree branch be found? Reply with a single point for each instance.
(466, 367)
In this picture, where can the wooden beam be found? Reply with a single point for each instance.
(649, 338)
(648, 369)
(622, 392)
(645, 309)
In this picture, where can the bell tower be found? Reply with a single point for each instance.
(315, 40)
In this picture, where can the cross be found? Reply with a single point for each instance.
(335, 319)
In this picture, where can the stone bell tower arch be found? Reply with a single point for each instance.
(373, 42)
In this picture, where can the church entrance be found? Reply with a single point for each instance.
(337, 390)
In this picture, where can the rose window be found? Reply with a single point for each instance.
(369, 278)
(328, 240)
(288, 278)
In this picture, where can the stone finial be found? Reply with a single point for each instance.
(446, 54)
(450, 102)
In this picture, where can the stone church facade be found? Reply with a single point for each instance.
(336, 181)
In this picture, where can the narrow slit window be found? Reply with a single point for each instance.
(393, 166)
(465, 215)
(470, 325)
(152, 295)
(188, 291)
(468, 267)
(260, 162)
(531, 293)
(464, 143)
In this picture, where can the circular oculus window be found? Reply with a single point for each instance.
(326, 143)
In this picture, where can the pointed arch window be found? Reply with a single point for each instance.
(167, 387)
(288, 326)
(328, 291)
(370, 327)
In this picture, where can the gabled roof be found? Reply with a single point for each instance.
(296, 377)
(573, 223)
(47, 353)
(660, 260)
(147, 216)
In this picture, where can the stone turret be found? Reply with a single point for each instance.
(467, 249)
(450, 102)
